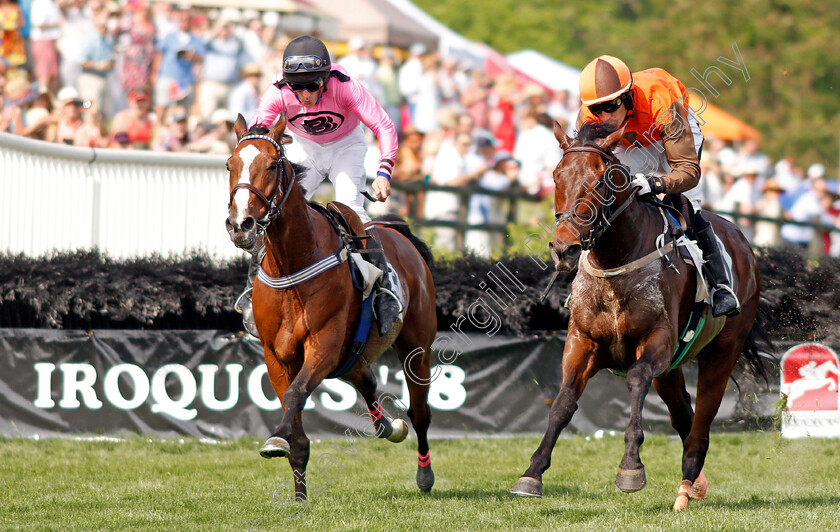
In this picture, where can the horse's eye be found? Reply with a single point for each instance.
(273, 166)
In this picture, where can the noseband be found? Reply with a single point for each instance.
(284, 179)
(606, 215)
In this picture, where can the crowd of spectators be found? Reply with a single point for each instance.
(136, 74)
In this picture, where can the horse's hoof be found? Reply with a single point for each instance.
(527, 487)
(698, 489)
(630, 480)
(683, 496)
(399, 432)
(681, 502)
(275, 447)
(425, 478)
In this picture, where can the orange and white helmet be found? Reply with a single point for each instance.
(605, 78)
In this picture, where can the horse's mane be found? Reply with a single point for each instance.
(300, 170)
(591, 131)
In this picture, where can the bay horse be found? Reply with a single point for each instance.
(307, 329)
(629, 302)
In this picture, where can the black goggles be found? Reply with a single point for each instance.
(295, 63)
(311, 86)
(606, 107)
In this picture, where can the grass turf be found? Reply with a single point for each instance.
(757, 481)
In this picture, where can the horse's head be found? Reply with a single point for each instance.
(586, 181)
(260, 178)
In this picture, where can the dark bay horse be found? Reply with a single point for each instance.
(628, 307)
(307, 329)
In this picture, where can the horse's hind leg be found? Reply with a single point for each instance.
(364, 381)
(416, 367)
(671, 388)
(714, 371)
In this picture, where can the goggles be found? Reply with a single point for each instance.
(311, 63)
(606, 107)
(311, 86)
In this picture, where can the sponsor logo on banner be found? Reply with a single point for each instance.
(810, 376)
(175, 390)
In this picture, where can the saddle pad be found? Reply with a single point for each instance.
(370, 273)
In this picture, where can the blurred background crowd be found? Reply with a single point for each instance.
(147, 75)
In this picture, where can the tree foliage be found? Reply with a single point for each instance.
(788, 47)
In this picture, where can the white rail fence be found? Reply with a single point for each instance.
(124, 203)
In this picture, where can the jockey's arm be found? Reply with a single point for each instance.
(364, 105)
(678, 141)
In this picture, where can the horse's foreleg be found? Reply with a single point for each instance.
(416, 366)
(293, 400)
(651, 355)
(578, 368)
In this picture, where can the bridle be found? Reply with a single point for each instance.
(607, 214)
(284, 179)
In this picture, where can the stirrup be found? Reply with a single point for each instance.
(727, 288)
(385, 291)
(238, 305)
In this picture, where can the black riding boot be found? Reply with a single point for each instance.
(724, 300)
(386, 307)
(243, 302)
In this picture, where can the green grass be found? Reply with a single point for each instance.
(757, 481)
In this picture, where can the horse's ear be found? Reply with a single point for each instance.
(561, 136)
(240, 127)
(277, 131)
(611, 140)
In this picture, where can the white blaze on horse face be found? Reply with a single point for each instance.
(240, 199)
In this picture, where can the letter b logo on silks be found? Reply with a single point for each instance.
(319, 123)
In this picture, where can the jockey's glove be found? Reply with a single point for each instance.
(648, 184)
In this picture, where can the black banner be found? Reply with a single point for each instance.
(213, 384)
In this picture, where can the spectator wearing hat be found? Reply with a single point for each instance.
(456, 165)
(224, 56)
(172, 69)
(742, 198)
(386, 76)
(214, 135)
(487, 210)
(410, 79)
(812, 206)
(97, 56)
(46, 19)
(14, 95)
(136, 47)
(245, 97)
(360, 65)
(174, 136)
(769, 234)
(137, 120)
(77, 123)
(538, 153)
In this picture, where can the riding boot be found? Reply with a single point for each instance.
(243, 302)
(386, 306)
(724, 300)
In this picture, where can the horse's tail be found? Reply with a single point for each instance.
(759, 349)
(397, 223)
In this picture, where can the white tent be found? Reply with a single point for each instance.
(545, 70)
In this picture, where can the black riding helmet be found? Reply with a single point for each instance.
(306, 59)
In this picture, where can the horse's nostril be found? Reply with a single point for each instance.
(229, 225)
(248, 224)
